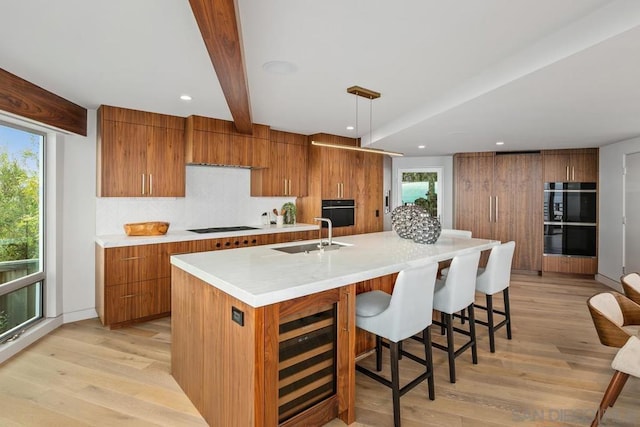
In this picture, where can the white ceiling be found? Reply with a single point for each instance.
(455, 75)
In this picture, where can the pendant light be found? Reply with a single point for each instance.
(371, 95)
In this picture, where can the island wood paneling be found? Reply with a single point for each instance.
(22, 98)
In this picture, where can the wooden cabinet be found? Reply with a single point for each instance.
(367, 186)
(140, 154)
(235, 369)
(336, 174)
(286, 174)
(499, 196)
(579, 165)
(215, 142)
(132, 282)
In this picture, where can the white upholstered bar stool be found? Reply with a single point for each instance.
(396, 317)
(449, 232)
(453, 294)
(495, 277)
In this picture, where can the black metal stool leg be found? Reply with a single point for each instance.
(428, 357)
(450, 348)
(395, 383)
(507, 310)
(490, 325)
(378, 353)
(472, 332)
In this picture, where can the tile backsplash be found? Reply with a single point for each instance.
(215, 196)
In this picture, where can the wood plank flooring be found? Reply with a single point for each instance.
(552, 373)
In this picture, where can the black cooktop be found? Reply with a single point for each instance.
(222, 229)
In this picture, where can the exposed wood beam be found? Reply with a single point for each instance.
(220, 29)
(22, 98)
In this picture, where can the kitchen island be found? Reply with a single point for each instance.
(264, 338)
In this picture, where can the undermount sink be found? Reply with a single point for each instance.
(308, 247)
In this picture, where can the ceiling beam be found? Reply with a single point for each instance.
(220, 29)
(24, 99)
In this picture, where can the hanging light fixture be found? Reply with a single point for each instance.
(371, 95)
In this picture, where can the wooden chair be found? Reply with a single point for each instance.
(631, 285)
(611, 313)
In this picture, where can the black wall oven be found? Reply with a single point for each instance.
(341, 212)
(570, 218)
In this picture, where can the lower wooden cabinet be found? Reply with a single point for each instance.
(566, 264)
(133, 282)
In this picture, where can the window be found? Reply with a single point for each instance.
(421, 187)
(21, 229)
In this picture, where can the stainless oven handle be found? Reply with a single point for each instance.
(339, 207)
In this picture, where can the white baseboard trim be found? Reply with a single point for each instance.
(75, 316)
(30, 336)
(613, 284)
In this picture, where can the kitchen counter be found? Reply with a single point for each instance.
(260, 276)
(233, 350)
(119, 240)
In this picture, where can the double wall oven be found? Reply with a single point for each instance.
(570, 218)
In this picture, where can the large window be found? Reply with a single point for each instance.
(421, 187)
(21, 230)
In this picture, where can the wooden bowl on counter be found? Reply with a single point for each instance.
(152, 228)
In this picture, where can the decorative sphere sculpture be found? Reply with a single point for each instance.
(402, 217)
(426, 229)
(414, 222)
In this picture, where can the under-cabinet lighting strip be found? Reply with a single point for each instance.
(352, 148)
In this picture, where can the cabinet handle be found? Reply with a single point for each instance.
(129, 296)
(132, 258)
(573, 173)
(289, 187)
(150, 184)
(496, 208)
(490, 209)
(347, 322)
(567, 172)
(285, 186)
(143, 184)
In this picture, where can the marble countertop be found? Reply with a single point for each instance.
(118, 240)
(261, 276)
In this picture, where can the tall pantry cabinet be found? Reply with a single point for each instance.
(499, 196)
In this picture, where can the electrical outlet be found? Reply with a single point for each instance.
(237, 316)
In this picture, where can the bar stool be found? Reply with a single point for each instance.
(397, 317)
(453, 294)
(491, 280)
(631, 285)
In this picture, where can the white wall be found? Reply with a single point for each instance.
(610, 253)
(444, 162)
(78, 223)
(215, 196)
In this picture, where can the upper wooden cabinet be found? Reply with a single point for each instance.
(336, 166)
(570, 165)
(139, 154)
(216, 142)
(286, 174)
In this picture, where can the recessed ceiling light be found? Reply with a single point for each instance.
(185, 97)
(421, 146)
(350, 128)
(500, 143)
(279, 67)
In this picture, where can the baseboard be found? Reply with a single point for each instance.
(75, 316)
(609, 282)
(31, 335)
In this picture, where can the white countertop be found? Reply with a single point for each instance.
(118, 240)
(261, 276)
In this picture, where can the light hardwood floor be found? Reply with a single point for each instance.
(553, 372)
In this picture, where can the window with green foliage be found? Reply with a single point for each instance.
(21, 207)
(420, 187)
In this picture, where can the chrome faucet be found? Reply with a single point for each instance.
(330, 226)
